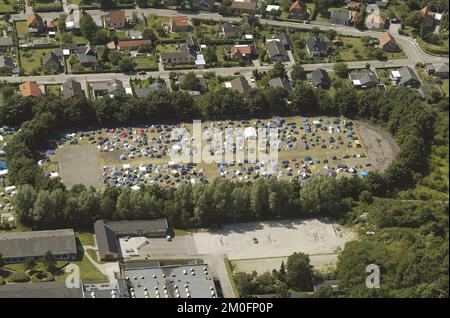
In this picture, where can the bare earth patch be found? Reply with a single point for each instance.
(79, 164)
(380, 145)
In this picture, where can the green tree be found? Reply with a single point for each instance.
(49, 261)
(303, 99)
(30, 263)
(190, 82)
(299, 272)
(341, 69)
(88, 27)
(277, 70)
(321, 196)
(298, 73)
(126, 64)
(101, 36)
(114, 57)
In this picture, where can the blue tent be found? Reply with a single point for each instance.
(364, 173)
(327, 122)
(49, 153)
(304, 119)
(3, 165)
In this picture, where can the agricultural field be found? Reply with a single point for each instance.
(135, 156)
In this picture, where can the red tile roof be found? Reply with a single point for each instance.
(30, 89)
(181, 20)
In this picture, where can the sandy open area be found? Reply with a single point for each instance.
(274, 239)
(79, 164)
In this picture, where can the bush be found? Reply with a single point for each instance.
(41, 276)
(47, 7)
(18, 277)
(2, 281)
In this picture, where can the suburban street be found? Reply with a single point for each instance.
(409, 45)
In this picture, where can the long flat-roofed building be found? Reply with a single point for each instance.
(186, 281)
(40, 290)
(107, 234)
(17, 247)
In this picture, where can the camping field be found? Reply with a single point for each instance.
(125, 155)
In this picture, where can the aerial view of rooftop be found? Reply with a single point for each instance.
(224, 149)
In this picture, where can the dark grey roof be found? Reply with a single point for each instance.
(39, 290)
(280, 82)
(206, 5)
(86, 59)
(191, 41)
(6, 41)
(319, 77)
(106, 233)
(408, 74)
(71, 88)
(340, 17)
(6, 61)
(321, 45)
(50, 58)
(31, 244)
(112, 86)
(229, 28)
(366, 77)
(275, 48)
(145, 91)
(240, 84)
(285, 39)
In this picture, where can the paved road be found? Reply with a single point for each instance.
(411, 48)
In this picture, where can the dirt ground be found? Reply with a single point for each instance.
(381, 146)
(273, 239)
(79, 164)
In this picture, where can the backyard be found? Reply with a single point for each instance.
(31, 61)
(7, 6)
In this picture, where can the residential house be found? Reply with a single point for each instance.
(71, 88)
(192, 44)
(244, 6)
(428, 16)
(145, 91)
(364, 78)
(51, 25)
(437, 69)
(240, 84)
(388, 43)
(6, 42)
(353, 5)
(179, 23)
(318, 47)
(281, 82)
(341, 18)
(107, 234)
(183, 56)
(16, 247)
(6, 63)
(73, 18)
(51, 62)
(376, 20)
(232, 31)
(35, 24)
(354, 18)
(128, 44)
(110, 88)
(87, 55)
(319, 78)
(115, 19)
(409, 78)
(202, 5)
(243, 51)
(276, 51)
(285, 40)
(298, 10)
(201, 86)
(30, 89)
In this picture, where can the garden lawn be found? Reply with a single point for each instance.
(145, 61)
(22, 30)
(444, 87)
(85, 238)
(53, 89)
(7, 7)
(348, 54)
(31, 59)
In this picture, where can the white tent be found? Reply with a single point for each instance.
(250, 132)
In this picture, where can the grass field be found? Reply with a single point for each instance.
(358, 51)
(85, 238)
(145, 61)
(7, 6)
(22, 30)
(444, 87)
(31, 60)
(53, 89)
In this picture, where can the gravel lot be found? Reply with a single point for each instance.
(79, 164)
(275, 239)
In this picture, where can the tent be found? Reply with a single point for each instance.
(3, 165)
(250, 133)
(364, 173)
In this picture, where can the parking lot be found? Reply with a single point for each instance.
(79, 164)
(273, 239)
